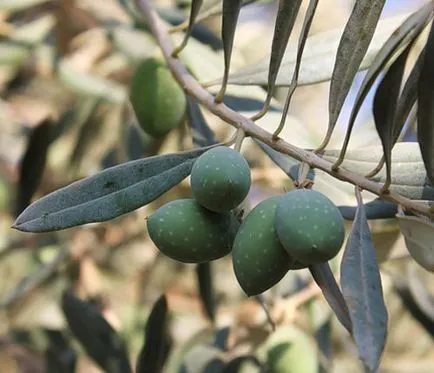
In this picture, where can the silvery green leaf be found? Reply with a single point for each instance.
(108, 194)
(403, 35)
(362, 290)
(419, 239)
(352, 48)
(409, 176)
(231, 11)
(318, 58)
(286, 16)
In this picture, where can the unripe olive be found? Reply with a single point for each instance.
(185, 231)
(259, 259)
(220, 179)
(157, 99)
(309, 226)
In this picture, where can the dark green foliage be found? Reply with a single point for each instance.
(206, 289)
(310, 226)
(157, 341)
(185, 231)
(96, 335)
(425, 115)
(259, 259)
(220, 179)
(33, 164)
(362, 290)
(157, 99)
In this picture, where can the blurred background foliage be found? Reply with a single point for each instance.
(65, 67)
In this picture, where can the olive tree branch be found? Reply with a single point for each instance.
(192, 87)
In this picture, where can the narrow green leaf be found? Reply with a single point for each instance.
(307, 23)
(194, 11)
(353, 46)
(323, 276)
(318, 58)
(408, 97)
(108, 194)
(157, 344)
(33, 164)
(385, 105)
(95, 334)
(202, 134)
(286, 15)
(362, 290)
(418, 235)
(206, 288)
(59, 356)
(231, 11)
(425, 115)
(409, 30)
(409, 177)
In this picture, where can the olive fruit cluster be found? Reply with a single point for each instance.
(203, 228)
(293, 231)
(287, 232)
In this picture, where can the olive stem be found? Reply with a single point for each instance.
(240, 136)
(233, 118)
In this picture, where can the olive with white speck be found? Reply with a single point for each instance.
(259, 260)
(185, 231)
(309, 226)
(220, 179)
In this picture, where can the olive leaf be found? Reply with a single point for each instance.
(362, 290)
(108, 194)
(202, 134)
(318, 58)
(95, 334)
(385, 105)
(59, 356)
(194, 11)
(323, 276)
(409, 176)
(206, 288)
(33, 164)
(418, 236)
(286, 15)
(408, 96)
(231, 11)
(157, 344)
(409, 30)
(307, 23)
(425, 114)
(353, 46)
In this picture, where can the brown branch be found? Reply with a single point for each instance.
(193, 88)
